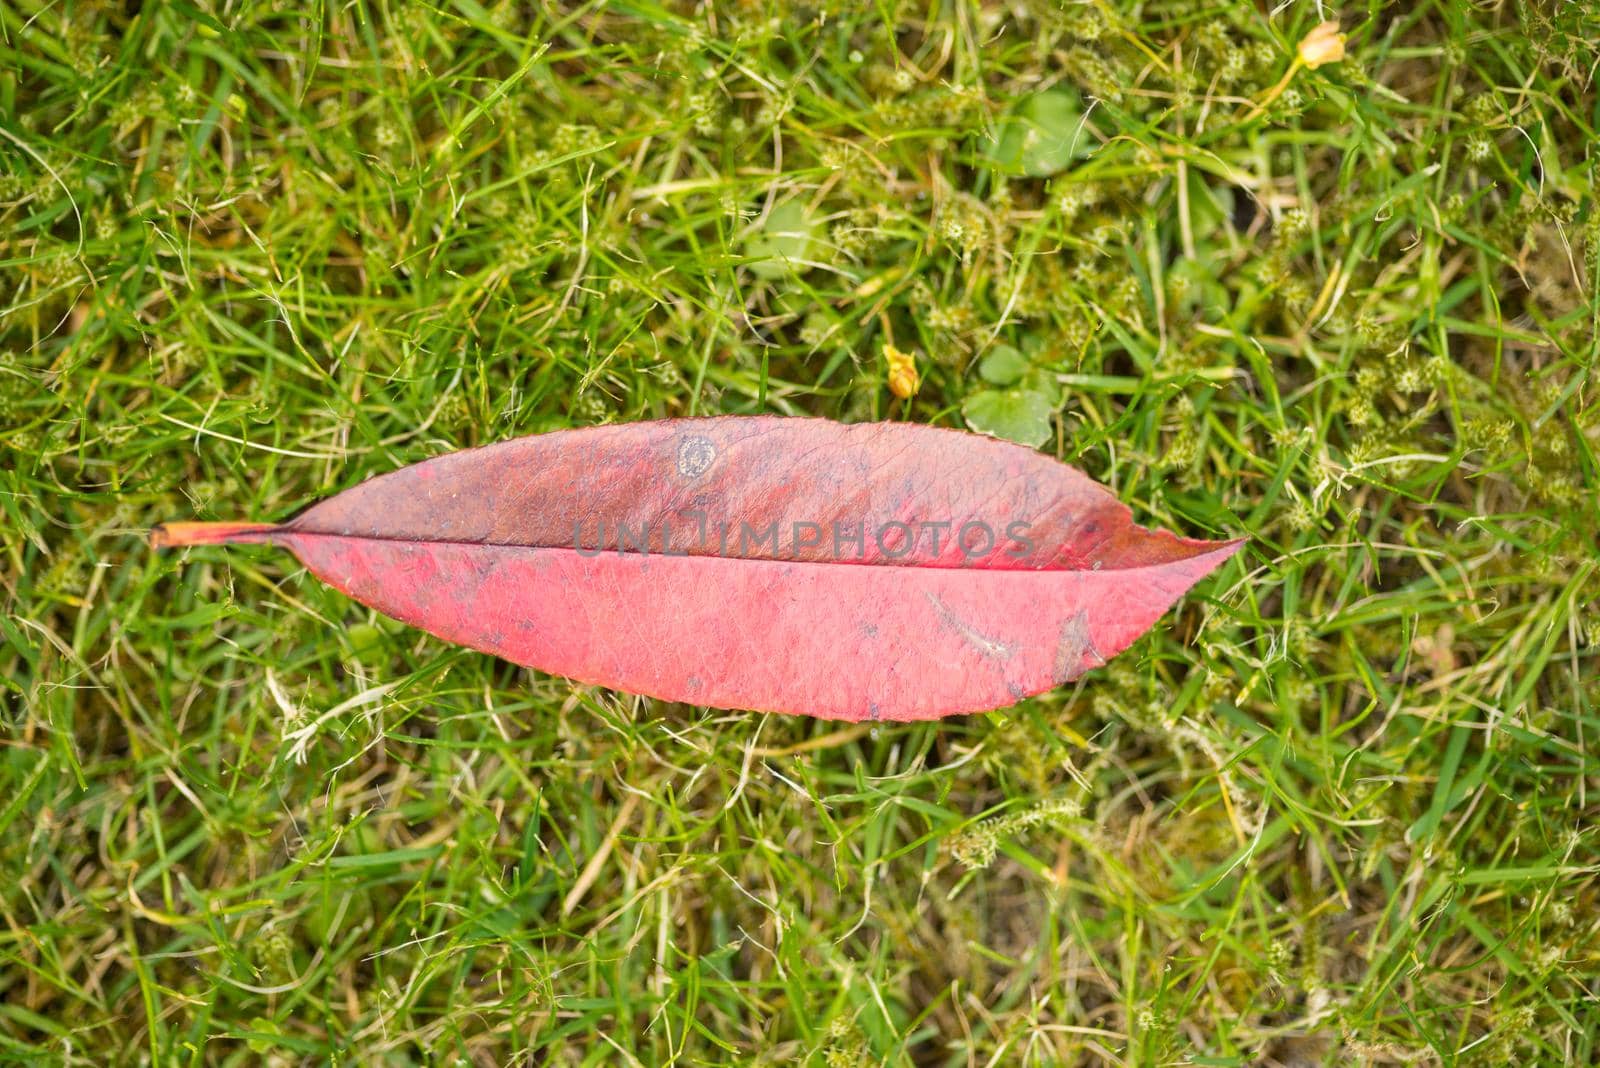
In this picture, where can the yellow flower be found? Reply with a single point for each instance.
(903, 377)
(1324, 44)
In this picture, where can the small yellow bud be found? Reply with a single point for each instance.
(903, 377)
(1324, 44)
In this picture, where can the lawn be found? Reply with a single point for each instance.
(1336, 808)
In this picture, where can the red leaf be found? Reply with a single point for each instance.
(882, 570)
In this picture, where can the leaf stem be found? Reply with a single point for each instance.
(174, 535)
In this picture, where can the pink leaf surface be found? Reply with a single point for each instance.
(874, 571)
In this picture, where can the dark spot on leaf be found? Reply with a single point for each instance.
(992, 648)
(1075, 651)
(695, 456)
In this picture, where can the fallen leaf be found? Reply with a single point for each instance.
(876, 571)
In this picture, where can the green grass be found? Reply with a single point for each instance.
(1338, 808)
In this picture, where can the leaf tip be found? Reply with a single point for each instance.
(1229, 547)
(1216, 553)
